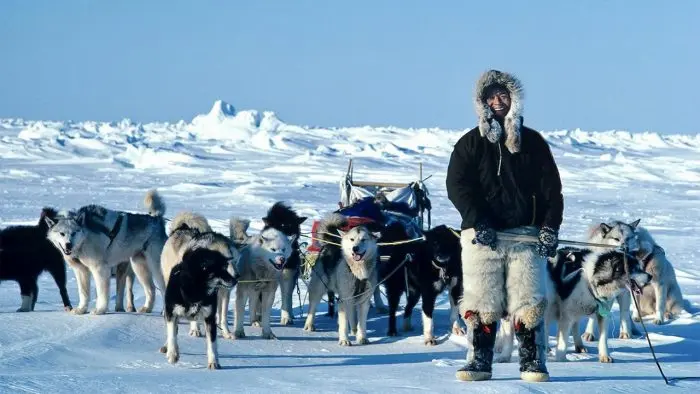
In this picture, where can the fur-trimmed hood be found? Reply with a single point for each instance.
(488, 126)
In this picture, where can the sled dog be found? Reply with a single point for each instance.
(94, 239)
(263, 257)
(191, 293)
(349, 271)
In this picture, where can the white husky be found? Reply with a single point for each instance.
(351, 272)
(94, 239)
(263, 257)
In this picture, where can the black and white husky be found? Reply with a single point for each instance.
(663, 299)
(192, 294)
(583, 282)
(349, 270)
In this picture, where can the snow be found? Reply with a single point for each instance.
(229, 162)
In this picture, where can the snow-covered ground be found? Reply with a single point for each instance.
(229, 162)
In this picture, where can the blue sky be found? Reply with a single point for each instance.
(626, 65)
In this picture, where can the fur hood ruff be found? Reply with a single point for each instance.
(488, 126)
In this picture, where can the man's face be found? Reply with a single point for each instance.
(498, 99)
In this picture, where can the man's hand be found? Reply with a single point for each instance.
(548, 241)
(484, 235)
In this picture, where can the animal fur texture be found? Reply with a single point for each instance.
(663, 299)
(263, 257)
(350, 271)
(191, 294)
(189, 231)
(509, 280)
(25, 253)
(94, 239)
(488, 126)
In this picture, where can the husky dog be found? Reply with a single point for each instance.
(191, 230)
(432, 267)
(94, 239)
(263, 257)
(583, 282)
(191, 293)
(286, 220)
(663, 298)
(349, 271)
(25, 253)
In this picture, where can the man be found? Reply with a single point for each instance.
(502, 177)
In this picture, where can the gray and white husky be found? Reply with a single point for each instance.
(583, 282)
(189, 231)
(350, 271)
(663, 298)
(94, 239)
(263, 257)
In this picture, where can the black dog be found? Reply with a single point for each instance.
(286, 220)
(192, 294)
(430, 268)
(25, 253)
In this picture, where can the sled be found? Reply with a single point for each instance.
(407, 203)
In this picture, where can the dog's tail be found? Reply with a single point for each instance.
(190, 220)
(330, 225)
(238, 228)
(154, 203)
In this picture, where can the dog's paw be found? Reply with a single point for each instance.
(624, 335)
(344, 342)
(669, 316)
(658, 321)
(79, 310)
(580, 349)
(238, 334)
(457, 330)
(407, 326)
(173, 357)
(392, 333)
(605, 359)
(119, 309)
(24, 309)
(430, 341)
(362, 341)
(163, 349)
(309, 327)
(286, 321)
(68, 308)
(255, 324)
(637, 318)
(214, 365)
(588, 337)
(560, 357)
(100, 311)
(145, 309)
(268, 335)
(227, 335)
(194, 332)
(130, 308)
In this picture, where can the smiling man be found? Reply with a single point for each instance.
(502, 177)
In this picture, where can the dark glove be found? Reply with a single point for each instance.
(548, 241)
(484, 235)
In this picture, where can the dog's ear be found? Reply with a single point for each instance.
(604, 228)
(635, 224)
(80, 218)
(49, 222)
(376, 234)
(301, 219)
(341, 232)
(292, 238)
(266, 221)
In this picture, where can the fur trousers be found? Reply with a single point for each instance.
(507, 281)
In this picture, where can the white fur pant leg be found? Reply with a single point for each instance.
(525, 284)
(483, 279)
